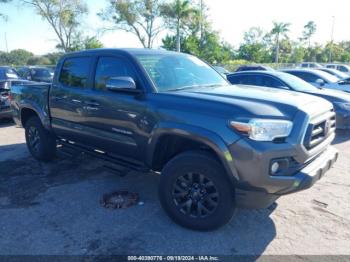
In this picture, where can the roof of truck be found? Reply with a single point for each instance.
(130, 51)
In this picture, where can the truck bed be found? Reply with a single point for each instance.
(30, 95)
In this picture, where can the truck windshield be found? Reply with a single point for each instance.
(171, 72)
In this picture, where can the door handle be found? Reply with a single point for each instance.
(58, 98)
(76, 101)
(90, 108)
(92, 103)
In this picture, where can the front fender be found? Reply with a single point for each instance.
(202, 135)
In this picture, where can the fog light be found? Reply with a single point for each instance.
(274, 167)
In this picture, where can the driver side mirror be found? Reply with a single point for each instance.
(320, 82)
(123, 84)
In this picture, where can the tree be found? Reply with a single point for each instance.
(4, 58)
(309, 31)
(201, 40)
(212, 50)
(279, 29)
(19, 56)
(64, 16)
(1, 14)
(254, 47)
(135, 16)
(79, 42)
(39, 60)
(177, 14)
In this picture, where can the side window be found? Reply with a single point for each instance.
(235, 80)
(342, 68)
(75, 72)
(306, 77)
(272, 82)
(248, 80)
(108, 67)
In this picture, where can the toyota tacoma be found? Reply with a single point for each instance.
(216, 146)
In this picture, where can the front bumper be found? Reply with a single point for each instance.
(258, 189)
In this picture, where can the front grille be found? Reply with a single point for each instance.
(319, 129)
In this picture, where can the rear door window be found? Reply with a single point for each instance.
(342, 69)
(306, 76)
(235, 80)
(272, 82)
(75, 72)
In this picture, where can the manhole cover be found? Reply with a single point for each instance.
(120, 199)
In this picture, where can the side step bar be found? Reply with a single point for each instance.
(104, 156)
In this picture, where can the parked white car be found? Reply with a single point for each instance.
(341, 67)
(320, 79)
(310, 65)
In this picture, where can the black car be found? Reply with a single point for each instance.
(339, 99)
(8, 77)
(254, 68)
(38, 74)
(7, 74)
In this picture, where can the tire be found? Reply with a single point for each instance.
(183, 199)
(40, 142)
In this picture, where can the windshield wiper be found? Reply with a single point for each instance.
(194, 86)
(182, 88)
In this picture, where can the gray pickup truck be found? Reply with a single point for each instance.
(216, 146)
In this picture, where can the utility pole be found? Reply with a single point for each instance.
(7, 49)
(201, 21)
(332, 39)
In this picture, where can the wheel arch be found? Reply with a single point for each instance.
(28, 110)
(193, 138)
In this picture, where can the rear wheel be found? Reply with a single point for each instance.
(195, 192)
(40, 142)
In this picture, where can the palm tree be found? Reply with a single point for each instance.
(279, 29)
(309, 31)
(177, 13)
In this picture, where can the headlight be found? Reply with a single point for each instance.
(345, 106)
(264, 129)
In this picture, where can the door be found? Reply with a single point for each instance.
(116, 120)
(67, 97)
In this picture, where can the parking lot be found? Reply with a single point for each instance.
(55, 209)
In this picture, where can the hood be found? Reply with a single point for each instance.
(260, 101)
(332, 95)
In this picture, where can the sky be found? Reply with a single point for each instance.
(24, 29)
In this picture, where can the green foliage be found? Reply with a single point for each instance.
(2, 16)
(19, 56)
(211, 49)
(139, 17)
(64, 17)
(279, 30)
(309, 30)
(197, 36)
(178, 15)
(39, 60)
(80, 42)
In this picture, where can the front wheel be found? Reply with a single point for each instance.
(195, 191)
(40, 142)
